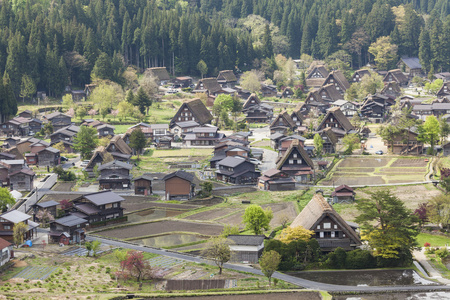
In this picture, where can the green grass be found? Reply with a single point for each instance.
(185, 153)
(434, 240)
(121, 128)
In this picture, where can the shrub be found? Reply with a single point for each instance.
(442, 253)
(427, 245)
(360, 259)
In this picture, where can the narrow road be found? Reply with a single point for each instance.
(42, 190)
(288, 278)
(269, 160)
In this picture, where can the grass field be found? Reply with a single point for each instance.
(434, 240)
(185, 153)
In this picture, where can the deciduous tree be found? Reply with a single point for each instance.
(318, 144)
(290, 234)
(86, 141)
(256, 219)
(385, 53)
(218, 250)
(6, 199)
(250, 81)
(27, 87)
(138, 141)
(19, 231)
(429, 132)
(438, 210)
(269, 262)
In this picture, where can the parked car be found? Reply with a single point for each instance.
(84, 163)
(379, 152)
(172, 92)
(254, 161)
(63, 158)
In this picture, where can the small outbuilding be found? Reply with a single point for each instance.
(246, 248)
(143, 185)
(179, 185)
(343, 193)
(276, 180)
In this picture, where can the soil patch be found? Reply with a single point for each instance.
(269, 296)
(59, 197)
(364, 162)
(212, 214)
(63, 186)
(362, 180)
(133, 203)
(20, 263)
(410, 162)
(161, 227)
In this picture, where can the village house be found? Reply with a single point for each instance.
(115, 175)
(34, 126)
(22, 180)
(230, 149)
(117, 144)
(336, 120)
(343, 193)
(204, 136)
(444, 90)
(17, 126)
(237, 170)
(411, 66)
(396, 76)
(276, 180)
(65, 135)
(49, 206)
(209, 86)
(99, 156)
(329, 93)
(391, 89)
(6, 252)
(9, 219)
(316, 76)
(10, 142)
(59, 120)
(14, 151)
(7, 156)
(38, 146)
(246, 248)
(269, 90)
(376, 108)
(78, 95)
(286, 141)
(48, 157)
(338, 79)
(105, 130)
(359, 74)
(314, 100)
(227, 79)
(275, 140)
(283, 123)
(405, 142)
(180, 129)
(297, 163)
(349, 109)
(287, 93)
(182, 82)
(4, 172)
(160, 73)
(299, 113)
(445, 76)
(255, 111)
(27, 114)
(192, 110)
(331, 231)
(15, 164)
(143, 185)
(96, 207)
(68, 230)
(329, 139)
(179, 185)
(437, 109)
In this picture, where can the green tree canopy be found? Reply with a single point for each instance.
(218, 250)
(86, 141)
(138, 141)
(269, 262)
(429, 132)
(385, 53)
(6, 200)
(256, 219)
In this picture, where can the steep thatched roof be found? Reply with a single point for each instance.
(339, 116)
(249, 103)
(330, 134)
(331, 91)
(120, 145)
(295, 145)
(316, 209)
(340, 78)
(160, 73)
(199, 110)
(209, 84)
(287, 118)
(227, 75)
(398, 75)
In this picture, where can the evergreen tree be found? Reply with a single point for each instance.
(425, 50)
(142, 101)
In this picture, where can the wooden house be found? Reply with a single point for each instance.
(376, 107)
(330, 140)
(445, 76)
(236, 170)
(343, 193)
(445, 149)
(6, 251)
(160, 73)
(28, 114)
(98, 157)
(4, 174)
(405, 142)
(15, 151)
(287, 93)
(336, 120)
(276, 180)
(14, 127)
(183, 81)
(227, 79)
(9, 219)
(338, 79)
(105, 130)
(331, 231)
(396, 76)
(297, 116)
(179, 185)
(192, 110)
(180, 129)
(65, 135)
(444, 90)
(255, 111)
(316, 76)
(68, 230)
(209, 86)
(15, 164)
(143, 185)
(204, 136)
(275, 140)
(10, 142)
(329, 93)
(410, 65)
(59, 120)
(269, 90)
(49, 206)
(96, 207)
(22, 180)
(286, 141)
(283, 123)
(349, 109)
(359, 74)
(38, 146)
(117, 144)
(297, 163)
(314, 100)
(78, 95)
(246, 248)
(115, 175)
(391, 89)
(231, 149)
(48, 157)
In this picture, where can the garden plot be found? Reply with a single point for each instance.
(377, 170)
(63, 186)
(212, 214)
(36, 273)
(149, 229)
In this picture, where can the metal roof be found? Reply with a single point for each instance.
(70, 221)
(247, 240)
(104, 197)
(115, 163)
(231, 161)
(47, 204)
(15, 216)
(412, 62)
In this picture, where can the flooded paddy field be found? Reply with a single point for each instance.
(170, 240)
(397, 296)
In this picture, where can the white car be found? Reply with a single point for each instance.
(172, 91)
(84, 163)
(254, 161)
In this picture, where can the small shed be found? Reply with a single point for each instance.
(246, 248)
(276, 180)
(343, 193)
(179, 185)
(143, 185)
(6, 251)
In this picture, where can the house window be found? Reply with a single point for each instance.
(295, 155)
(332, 234)
(331, 119)
(335, 226)
(318, 226)
(291, 161)
(115, 205)
(321, 234)
(326, 225)
(6, 227)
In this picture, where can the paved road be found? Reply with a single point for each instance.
(269, 160)
(291, 279)
(42, 190)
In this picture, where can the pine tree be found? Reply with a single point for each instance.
(267, 50)
(142, 100)
(425, 50)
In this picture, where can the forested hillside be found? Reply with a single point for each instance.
(62, 41)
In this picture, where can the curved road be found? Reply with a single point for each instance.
(288, 278)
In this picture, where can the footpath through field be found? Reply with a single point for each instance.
(291, 279)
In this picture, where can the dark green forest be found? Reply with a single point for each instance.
(60, 42)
